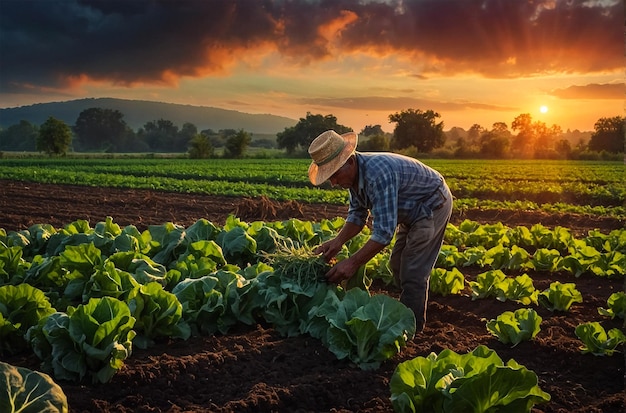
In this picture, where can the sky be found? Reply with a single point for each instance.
(471, 61)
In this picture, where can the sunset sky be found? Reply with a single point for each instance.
(471, 61)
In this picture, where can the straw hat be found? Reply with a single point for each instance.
(329, 152)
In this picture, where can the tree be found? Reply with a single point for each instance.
(417, 128)
(563, 148)
(546, 139)
(372, 130)
(608, 135)
(237, 144)
(523, 142)
(473, 135)
(200, 147)
(160, 135)
(501, 128)
(374, 143)
(302, 134)
(186, 134)
(19, 137)
(102, 130)
(55, 137)
(534, 139)
(494, 144)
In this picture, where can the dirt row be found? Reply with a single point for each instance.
(23, 204)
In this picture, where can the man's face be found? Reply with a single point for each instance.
(344, 177)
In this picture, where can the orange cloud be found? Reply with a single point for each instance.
(592, 91)
(379, 103)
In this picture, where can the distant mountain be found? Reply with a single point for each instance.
(138, 112)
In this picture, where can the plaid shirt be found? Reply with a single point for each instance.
(395, 189)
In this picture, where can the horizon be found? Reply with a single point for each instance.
(446, 129)
(471, 61)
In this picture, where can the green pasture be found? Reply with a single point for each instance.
(597, 188)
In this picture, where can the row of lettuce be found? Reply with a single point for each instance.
(578, 187)
(81, 297)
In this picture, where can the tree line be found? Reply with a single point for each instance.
(416, 132)
(105, 131)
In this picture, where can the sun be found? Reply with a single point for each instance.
(543, 109)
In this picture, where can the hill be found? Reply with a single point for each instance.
(138, 112)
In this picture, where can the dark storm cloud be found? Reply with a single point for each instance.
(50, 44)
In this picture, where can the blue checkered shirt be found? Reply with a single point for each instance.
(395, 189)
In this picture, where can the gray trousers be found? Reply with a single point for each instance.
(415, 253)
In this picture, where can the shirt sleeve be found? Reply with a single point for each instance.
(357, 214)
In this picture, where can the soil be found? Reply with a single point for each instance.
(255, 369)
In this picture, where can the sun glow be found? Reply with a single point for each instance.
(543, 109)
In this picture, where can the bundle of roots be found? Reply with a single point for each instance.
(263, 208)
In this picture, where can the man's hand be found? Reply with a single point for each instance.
(329, 249)
(343, 270)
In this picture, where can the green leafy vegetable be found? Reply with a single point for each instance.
(158, 314)
(212, 303)
(25, 391)
(514, 327)
(486, 284)
(446, 282)
(296, 286)
(597, 340)
(365, 329)
(519, 289)
(559, 297)
(21, 307)
(616, 304)
(90, 341)
(474, 382)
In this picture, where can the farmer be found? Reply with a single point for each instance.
(404, 197)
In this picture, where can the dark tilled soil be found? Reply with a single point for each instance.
(254, 369)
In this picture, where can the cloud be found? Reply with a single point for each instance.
(61, 44)
(592, 91)
(378, 103)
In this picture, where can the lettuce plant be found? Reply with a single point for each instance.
(212, 303)
(502, 257)
(545, 259)
(514, 327)
(158, 314)
(610, 264)
(295, 286)
(446, 282)
(476, 382)
(13, 266)
(616, 304)
(89, 341)
(365, 329)
(597, 340)
(25, 390)
(21, 307)
(519, 289)
(559, 297)
(486, 284)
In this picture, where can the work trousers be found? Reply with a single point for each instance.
(415, 253)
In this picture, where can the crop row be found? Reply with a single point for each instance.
(82, 297)
(579, 187)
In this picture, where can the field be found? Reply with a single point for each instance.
(255, 369)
